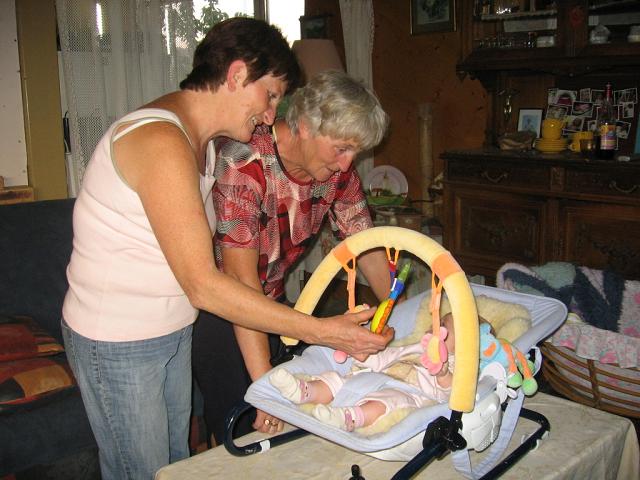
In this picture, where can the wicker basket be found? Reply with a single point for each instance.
(604, 386)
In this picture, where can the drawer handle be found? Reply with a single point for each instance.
(487, 176)
(614, 186)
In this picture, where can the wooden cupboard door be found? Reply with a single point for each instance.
(601, 236)
(489, 229)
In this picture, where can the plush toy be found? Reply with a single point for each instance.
(435, 351)
(517, 366)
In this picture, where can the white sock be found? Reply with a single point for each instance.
(345, 418)
(289, 386)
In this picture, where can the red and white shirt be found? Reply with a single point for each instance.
(260, 206)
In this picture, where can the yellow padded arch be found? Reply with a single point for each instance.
(463, 307)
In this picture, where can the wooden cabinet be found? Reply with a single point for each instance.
(507, 53)
(531, 208)
(547, 35)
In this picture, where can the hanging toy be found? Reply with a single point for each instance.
(435, 351)
(384, 309)
(393, 264)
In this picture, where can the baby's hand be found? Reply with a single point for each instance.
(358, 308)
(444, 370)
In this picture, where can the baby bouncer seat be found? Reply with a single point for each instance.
(473, 418)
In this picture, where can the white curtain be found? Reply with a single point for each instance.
(118, 55)
(358, 32)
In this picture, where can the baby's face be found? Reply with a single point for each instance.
(450, 341)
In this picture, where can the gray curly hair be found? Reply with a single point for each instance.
(336, 105)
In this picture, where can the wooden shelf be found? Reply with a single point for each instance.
(518, 15)
(614, 7)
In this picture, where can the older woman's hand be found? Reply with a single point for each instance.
(266, 423)
(345, 333)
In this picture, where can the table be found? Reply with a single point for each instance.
(584, 443)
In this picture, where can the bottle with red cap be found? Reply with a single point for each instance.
(606, 141)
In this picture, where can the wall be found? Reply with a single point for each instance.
(410, 70)
(36, 22)
(13, 155)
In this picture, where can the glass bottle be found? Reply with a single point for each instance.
(606, 141)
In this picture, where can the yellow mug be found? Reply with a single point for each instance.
(552, 128)
(577, 136)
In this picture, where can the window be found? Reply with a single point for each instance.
(284, 14)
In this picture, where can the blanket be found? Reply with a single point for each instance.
(601, 298)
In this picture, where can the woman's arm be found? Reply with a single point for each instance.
(375, 268)
(351, 216)
(242, 264)
(156, 160)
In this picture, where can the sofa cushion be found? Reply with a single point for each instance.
(35, 247)
(42, 432)
(21, 337)
(30, 379)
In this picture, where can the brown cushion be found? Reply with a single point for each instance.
(21, 337)
(26, 380)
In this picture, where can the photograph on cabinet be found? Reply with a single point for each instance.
(432, 16)
(557, 111)
(529, 120)
(582, 111)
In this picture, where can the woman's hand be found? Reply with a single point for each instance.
(344, 332)
(266, 423)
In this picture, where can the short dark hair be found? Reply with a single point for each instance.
(260, 45)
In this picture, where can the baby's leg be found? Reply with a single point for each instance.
(298, 390)
(370, 409)
(350, 418)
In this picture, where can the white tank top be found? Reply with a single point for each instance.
(120, 285)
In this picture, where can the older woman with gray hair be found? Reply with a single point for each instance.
(271, 198)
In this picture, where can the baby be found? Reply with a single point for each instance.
(323, 388)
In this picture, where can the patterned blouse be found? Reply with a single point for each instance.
(259, 206)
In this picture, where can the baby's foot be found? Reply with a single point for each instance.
(290, 387)
(341, 417)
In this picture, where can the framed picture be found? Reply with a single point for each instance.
(432, 16)
(316, 26)
(530, 119)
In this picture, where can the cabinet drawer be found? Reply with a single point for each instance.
(604, 181)
(503, 174)
(502, 227)
(602, 236)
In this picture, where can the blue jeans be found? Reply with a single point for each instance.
(138, 399)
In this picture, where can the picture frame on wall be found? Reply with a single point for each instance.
(530, 119)
(432, 16)
(314, 26)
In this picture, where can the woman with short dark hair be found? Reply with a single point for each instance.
(142, 262)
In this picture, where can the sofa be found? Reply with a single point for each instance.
(48, 437)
